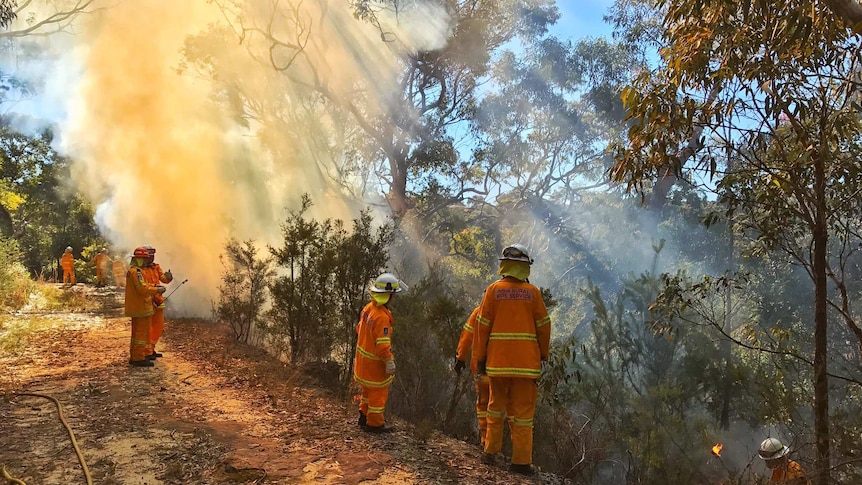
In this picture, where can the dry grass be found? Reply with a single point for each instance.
(16, 332)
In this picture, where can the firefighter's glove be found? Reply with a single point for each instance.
(390, 367)
(480, 368)
(459, 366)
(169, 275)
(162, 289)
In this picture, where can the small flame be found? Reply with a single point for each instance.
(716, 449)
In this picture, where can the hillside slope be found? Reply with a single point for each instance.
(210, 411)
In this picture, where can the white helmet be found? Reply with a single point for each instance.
(516, 252)
(771, 449)
(387, 283)
(68, 249)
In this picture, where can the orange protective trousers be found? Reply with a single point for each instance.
(157, 326)
(140, 338)
(515, 396)
(373, 404)
(68, 276)
(483, 393)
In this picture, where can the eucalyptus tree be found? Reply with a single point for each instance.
(35, 208)
(772, 86)
(434, 94)
(40, 18)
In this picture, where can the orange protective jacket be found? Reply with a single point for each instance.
(792, 474)
(514, 332)
(465, 343)
(101, 260)
(154, 275)
(118, 267)
(67, 261)
(139, 293)
(373, 347)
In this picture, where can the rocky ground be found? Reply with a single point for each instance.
(210, 412)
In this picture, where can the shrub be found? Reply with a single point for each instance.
(15, 282)
(242, 294)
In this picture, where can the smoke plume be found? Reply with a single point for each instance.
(190, 122)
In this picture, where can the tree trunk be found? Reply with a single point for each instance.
(398, 191)
(849, 10)
(665, 182)
(725, 346)
(821, 383)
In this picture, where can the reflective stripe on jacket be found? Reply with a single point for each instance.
(514, 331)
(373, 346)
(67, 261)
(139, 294)
(465, 343)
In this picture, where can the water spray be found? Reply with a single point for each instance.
(175, 289)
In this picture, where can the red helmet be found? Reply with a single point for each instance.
(141, 252)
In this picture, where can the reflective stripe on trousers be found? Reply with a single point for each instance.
(516, 397)
(140, 338)
(373, 404)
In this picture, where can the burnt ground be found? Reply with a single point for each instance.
(210, 412)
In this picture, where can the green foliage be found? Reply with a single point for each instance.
(15, 283)
(321, 285)
(36, 208)
(638, 386)
(243, 291)
(761, 99)
(428, 323)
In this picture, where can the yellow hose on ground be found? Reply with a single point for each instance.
(68, 429)
(10, 479)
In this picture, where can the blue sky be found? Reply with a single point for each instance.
(582, 18)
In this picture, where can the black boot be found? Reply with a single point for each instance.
(379, 429)
(522, 469)
(156, 355)
(489, 459)
(141, 363)
(363, 420)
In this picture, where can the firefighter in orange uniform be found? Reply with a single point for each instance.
(102, 262)
(67, 262)
(483, 384)
(374, 364)
(784, 470)
(154, 275)
(119, 270)
(139, 306)
(511, 343)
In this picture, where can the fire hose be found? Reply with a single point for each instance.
(89, 478)
(9, 478)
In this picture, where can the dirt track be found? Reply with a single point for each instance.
(210, 411)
